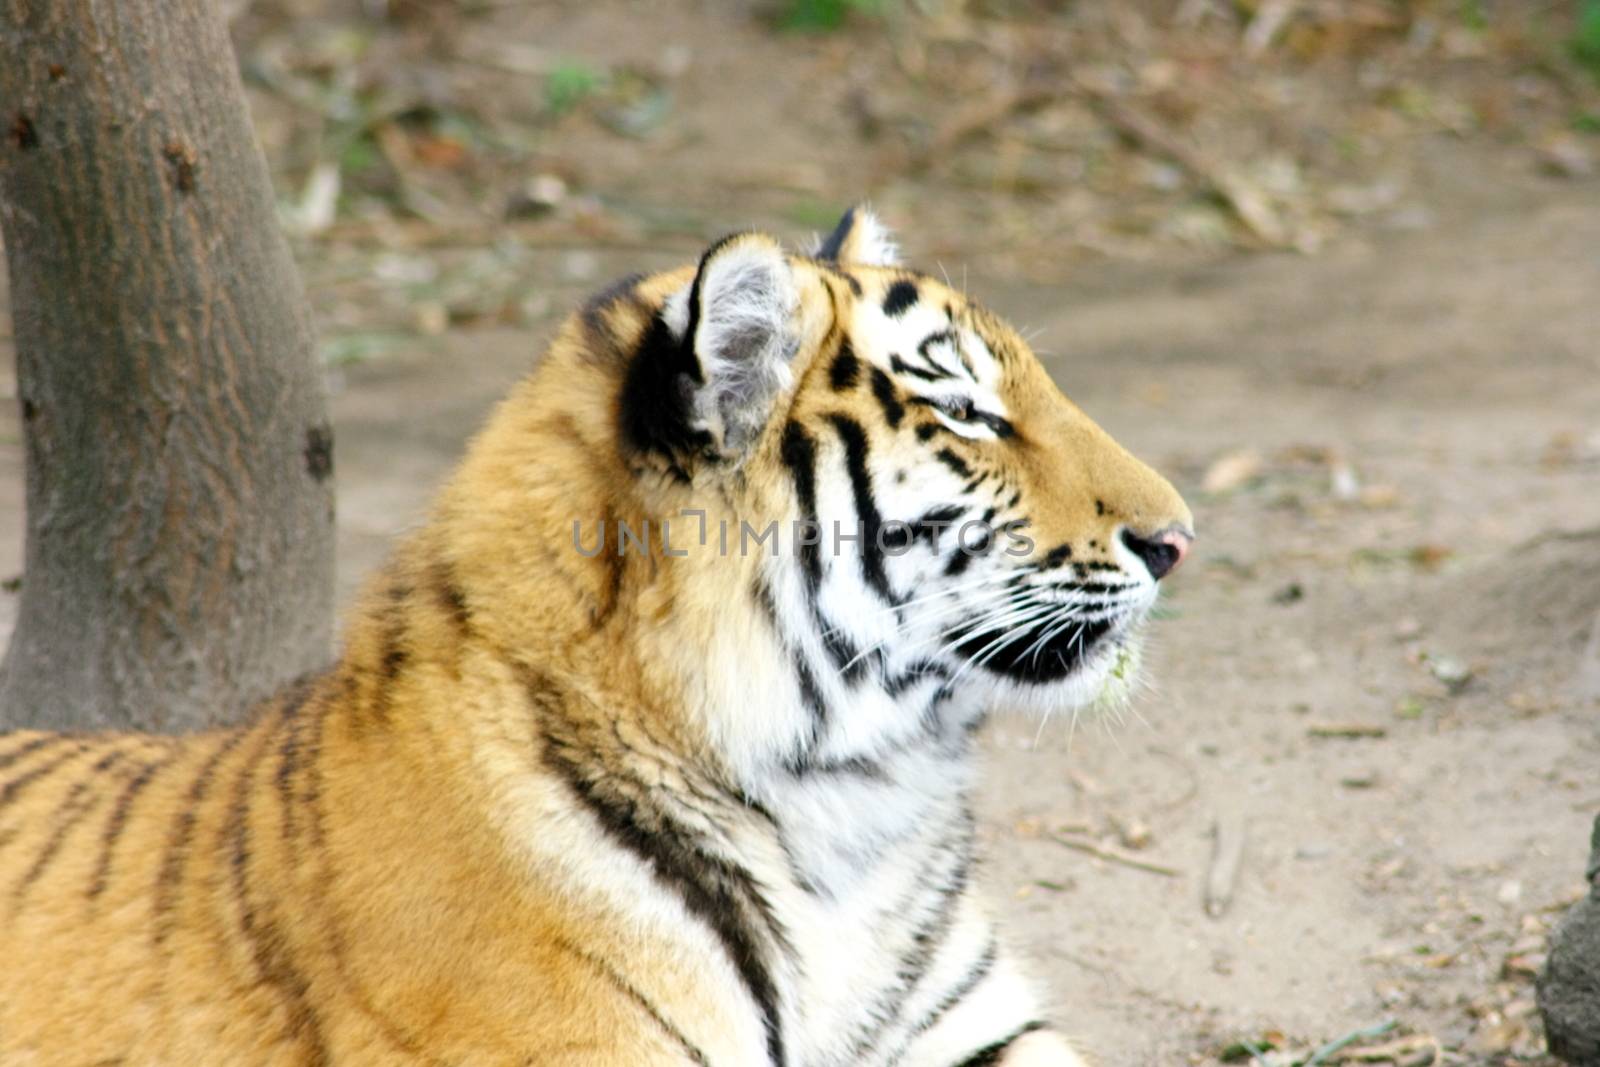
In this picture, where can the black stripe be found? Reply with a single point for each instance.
(975, 974)
(833, 245)
(900, 366)
(901, 295)
(931, 937)
(451, 600)
(654, 403)
(717, 891)
(932, 524)
(883, 389)
(628, 990)
(289, 752)
(954, 462)
(805, 679)
(170, 877)
(926, 940)
(810, 693)
(594, 309)
(914, 674)
(15, 787)
(30, 747)
(799, 453)
(847, 659)
(267, 945)
(342, 693)
(845, 370)
(119, 821)
(1100, 588)
(695, 371)
(990, 1055)
(949, 334)
(855, 767)
(854, 439)
(933, 339)
(395, 655)
(964, 554)
(72, 810)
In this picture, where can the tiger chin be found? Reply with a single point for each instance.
(696, 796)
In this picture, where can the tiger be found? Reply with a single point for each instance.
(655, 743)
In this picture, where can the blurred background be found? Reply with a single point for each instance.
(1332, 265)
(1024, 138)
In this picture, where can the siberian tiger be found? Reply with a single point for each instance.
(655, 744)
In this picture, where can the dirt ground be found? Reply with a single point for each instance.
(1392, 449)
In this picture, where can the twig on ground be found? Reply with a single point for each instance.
(1332, 1048)
(1226, 853)
(1246, 201)
(1346, 729)
(1546, 537)
(1401, 1050)
(1257, 1053)
(1113, 856)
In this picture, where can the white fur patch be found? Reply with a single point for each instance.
(745, 338)
(871, 242)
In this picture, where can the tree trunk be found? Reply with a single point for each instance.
(179, 547)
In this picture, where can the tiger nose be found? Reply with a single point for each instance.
(1161, 551)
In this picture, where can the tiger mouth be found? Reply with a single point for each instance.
(1046, 652)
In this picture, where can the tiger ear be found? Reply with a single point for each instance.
(740, 325)
(860, 238)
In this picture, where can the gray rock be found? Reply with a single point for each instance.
(1569, 987)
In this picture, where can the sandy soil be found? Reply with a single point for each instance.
(1417, 411)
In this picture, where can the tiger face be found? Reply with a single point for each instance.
(945, 529)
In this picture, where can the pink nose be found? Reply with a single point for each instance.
(1161, 551)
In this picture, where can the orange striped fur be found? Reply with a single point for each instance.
(548, 808)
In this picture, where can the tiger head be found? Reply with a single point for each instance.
(867, 510)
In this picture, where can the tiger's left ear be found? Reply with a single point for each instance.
(741, 326)
(860, 238)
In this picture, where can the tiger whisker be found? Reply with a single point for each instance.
(988, 652)
(1014, 616)
(900, 628)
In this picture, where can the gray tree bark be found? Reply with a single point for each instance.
(179, 542)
